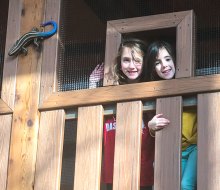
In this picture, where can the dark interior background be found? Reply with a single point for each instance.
(83, 33)
(3, 28)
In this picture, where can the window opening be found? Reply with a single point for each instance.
(83, 33)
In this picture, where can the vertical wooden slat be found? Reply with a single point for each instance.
(50, 148)
(168, 145)
(185, 44)
(128, 146)
(88, 148)
(10, 64)
(208, 141)
(113, 40)
(50, 51)
(5, 132)
(50, 142)
(168, 141)
(23, 147)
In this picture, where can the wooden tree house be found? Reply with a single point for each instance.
(33, 112)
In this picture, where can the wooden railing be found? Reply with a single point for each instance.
(168, 141)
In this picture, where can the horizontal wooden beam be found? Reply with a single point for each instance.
(138, 91)
(152, 22)
(4, 108)
(148, 105)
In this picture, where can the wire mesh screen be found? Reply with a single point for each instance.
(83, 33)
(82, 45)
(3, 24)
(78, 61)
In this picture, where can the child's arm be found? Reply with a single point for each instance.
(96, 75)
(157, 123)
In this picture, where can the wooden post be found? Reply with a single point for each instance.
(168, 145)
(25, 124)
(208, 141)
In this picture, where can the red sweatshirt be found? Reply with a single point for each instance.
(147, 154)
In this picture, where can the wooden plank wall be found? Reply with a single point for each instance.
(8, 88)
(10, 64)
(24, 95)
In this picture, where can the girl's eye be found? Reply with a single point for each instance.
(137, 61)
(168, 59)
(156, 63)
(126, 60)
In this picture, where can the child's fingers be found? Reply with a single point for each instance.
(100, 66)
(97, 67)
(159, 114)
(161, 126)
(162, 122)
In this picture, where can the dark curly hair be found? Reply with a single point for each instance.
(152, 54)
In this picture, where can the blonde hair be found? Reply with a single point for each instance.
(134, 44)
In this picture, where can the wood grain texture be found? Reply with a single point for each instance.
(4, 109)
(128, 92)
(128, 146)
(208, 141)
(88, 148)
(149, 105)
(113, 40)
(5, 132)
(24, 136)
(185, 43)
(152, 22)
(50, 51)
(48, 169)
(50, 149)
(168, 145)
(10, 63)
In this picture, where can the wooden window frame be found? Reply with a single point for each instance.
(185, 40)
(50, 99)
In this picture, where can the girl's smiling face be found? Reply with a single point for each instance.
(131, 63)
(164, 65)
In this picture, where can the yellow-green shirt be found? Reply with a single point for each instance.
(189, 127)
